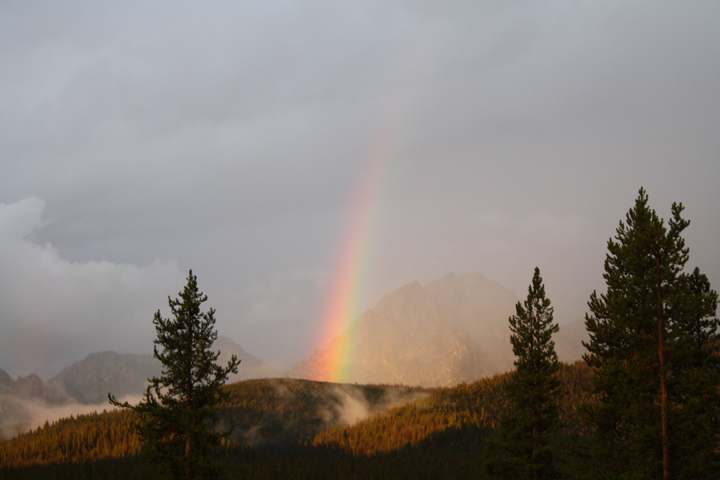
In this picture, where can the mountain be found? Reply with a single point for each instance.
(24, 387)
(405, 339)
(89, 381)
(250, 366)
(452, 330)
(473, 304)
(6, 382)
(481, 307)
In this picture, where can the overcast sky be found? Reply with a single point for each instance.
(141, 139)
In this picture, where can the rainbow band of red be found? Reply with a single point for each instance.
(347, 293)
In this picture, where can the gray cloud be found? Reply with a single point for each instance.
(161, 137)
(56, 312)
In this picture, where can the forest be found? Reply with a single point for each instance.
(643, 403)
(438, 434)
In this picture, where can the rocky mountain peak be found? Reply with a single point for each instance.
(407, 338)
(29, 387)
(6, 382)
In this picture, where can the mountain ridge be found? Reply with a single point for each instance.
(405, 339)
(451, 330)
(87, 382)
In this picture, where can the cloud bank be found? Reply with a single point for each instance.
(56, 312)
(231, 139)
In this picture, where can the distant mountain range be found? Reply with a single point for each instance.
(90, 380)
(451, 330)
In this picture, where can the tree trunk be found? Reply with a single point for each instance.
(188, 403)
(663, 379)
(537, 433)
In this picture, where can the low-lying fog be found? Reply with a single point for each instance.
(21, 415)
(341, 405)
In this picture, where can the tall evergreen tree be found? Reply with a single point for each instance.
(522, 450)
(177, 407)
(654, 348)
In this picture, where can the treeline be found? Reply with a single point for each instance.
(644, 403)
(447, 412)
(281, 412)
(78, 439)
(297, 424)
(262, 413)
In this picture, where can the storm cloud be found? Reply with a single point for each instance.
(142, 139)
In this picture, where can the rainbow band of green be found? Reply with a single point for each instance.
(347, 295)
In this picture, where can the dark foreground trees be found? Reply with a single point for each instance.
(534, 390)
(654, 348)
(177, 408)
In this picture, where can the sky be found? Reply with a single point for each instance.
(256, 142)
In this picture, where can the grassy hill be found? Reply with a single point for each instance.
(302, 429)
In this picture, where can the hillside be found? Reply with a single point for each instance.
(263, 413)
(475, 406)
(305, 429)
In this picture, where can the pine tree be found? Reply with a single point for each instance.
(654, 349)
(522, 450)
(177, 407)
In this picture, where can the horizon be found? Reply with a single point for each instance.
(281, 368)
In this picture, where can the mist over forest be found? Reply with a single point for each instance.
(363, 190)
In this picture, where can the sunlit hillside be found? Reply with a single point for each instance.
(314, 429)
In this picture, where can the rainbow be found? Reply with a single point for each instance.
(347, 293)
